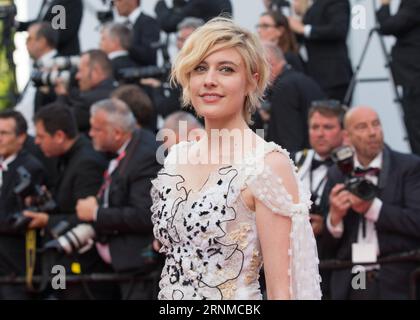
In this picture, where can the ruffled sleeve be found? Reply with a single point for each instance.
(270, 190)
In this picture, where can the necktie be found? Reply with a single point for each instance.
(107, 174)
(317, 163)
(359, 172)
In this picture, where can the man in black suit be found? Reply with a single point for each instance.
(290, 97)
(405, 26)
(324, 29)
(145, 31)
(95, 82)
(386, 225)
(122, 213)
(115, 42)
(169, 18)
(41, 44)
(80, 171)
(12, 241)
(68, 37)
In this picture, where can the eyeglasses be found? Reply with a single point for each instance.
(265, 26)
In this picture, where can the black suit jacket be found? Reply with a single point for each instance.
(80, 175)
(398, 226)
(328, 60)
(122, 62)
(145, 32)
(405, 26)
(127, 221)
(290, 97)
(68, 38)
(81, 102)
(169, 18)
(12, 242)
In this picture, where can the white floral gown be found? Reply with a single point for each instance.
(210, 237)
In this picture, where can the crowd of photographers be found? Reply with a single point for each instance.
(78, 151)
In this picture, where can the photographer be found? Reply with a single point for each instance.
(378, 218)
(41, 44)
(68, 37)
(115, 42)
(405, 26)
(95, 82)
(80, 171)
(12, 241)
(166, 98)
(121, 213)
(169, 18)
(324, 29)
(289, 97)
(145, 31)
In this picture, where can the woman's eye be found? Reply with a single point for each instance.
(226, 69)
(199, 68)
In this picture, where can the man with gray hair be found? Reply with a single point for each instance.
(115, 42)
(288, 100)
(121, 212)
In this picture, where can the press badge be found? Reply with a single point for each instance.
(363, 253)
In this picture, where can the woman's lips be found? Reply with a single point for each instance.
(211, 97)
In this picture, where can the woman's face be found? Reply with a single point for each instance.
(267, 30)
(218, 85)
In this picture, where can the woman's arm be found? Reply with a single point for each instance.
(274, 231)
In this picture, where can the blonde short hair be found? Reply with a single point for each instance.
(223, 33)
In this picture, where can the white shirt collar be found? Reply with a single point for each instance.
(116, 54)
(5, 162)
(133, 16)
(375, 163)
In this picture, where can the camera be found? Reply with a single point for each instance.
(133, 75)
(59, 68)
(282, 6)
(359, 186)
(78, 239)
(105, 16)
(42, 200)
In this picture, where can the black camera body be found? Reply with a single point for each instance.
(42, 200)
(59, 68)
(359, 186)
(133, 75)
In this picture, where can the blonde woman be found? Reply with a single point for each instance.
(230, 202)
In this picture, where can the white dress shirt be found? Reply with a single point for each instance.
(371, 216)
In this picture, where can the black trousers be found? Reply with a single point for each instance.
(411, 107)
(15, 292)
(371, 292)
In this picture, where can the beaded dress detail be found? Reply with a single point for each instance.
(210, 237)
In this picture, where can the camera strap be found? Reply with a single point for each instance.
(30, 255)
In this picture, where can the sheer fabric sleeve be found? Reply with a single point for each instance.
(304, 274)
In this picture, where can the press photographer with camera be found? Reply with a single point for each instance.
(41, 44)
(80, 170)
(169, 18)
(288, 100)
(115, 42)
(167, 98)
(13, 235)
(120, 214)
(95, 82)
(324, 29)
(374, 210)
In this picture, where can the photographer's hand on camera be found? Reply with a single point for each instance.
(340, 203)
(86, 209)
(359, 205)
(39, 220)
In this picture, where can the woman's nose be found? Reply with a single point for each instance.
(210, 78)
